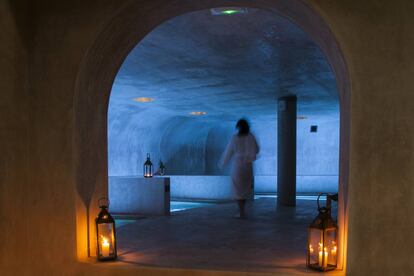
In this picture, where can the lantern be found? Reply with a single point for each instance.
(161, 168)
(105, 232)
(148, 170)
(322, 238)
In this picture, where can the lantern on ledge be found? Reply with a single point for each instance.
(105, 233)
(322, 238)
(148, 169)
(161, 168)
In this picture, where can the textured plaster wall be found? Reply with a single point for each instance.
(193, 146)
(178, 141)
(378, 42)
(40, 52)
(13, 134)
(38, 177)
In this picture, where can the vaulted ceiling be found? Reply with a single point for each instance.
(227, 66)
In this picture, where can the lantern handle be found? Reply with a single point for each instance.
(103, 204)
(322, 209)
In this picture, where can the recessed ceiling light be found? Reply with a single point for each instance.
(301, 117)
(228, 11)
(198, 113)
(143, 99)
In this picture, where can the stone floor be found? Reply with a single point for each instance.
(209, 238)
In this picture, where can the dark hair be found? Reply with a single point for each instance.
(243, 127)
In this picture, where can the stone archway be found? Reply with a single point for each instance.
(102, 61)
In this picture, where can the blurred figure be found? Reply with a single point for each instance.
(242, 149)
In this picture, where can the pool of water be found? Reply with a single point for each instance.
(175, 206)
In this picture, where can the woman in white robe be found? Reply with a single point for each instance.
(242, 150)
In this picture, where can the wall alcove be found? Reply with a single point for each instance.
(103, 60)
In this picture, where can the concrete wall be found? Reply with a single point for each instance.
(178, 141)
(40, 61)
(317, 153)
(194, 146)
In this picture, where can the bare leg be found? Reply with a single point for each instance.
(242, 203)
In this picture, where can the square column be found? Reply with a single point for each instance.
(286, 151)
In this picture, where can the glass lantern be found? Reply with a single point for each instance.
(322, 251)
(148, 168)
(161, 168)
(105, 233)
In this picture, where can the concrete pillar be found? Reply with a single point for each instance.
(286, 151)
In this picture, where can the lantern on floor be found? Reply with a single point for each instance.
(322, 238)
(148, 169)
(105, 232)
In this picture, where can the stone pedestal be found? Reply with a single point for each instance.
(135, 195)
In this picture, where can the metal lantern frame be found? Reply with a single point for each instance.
(161, 168)
(322, 246)
(148, 167)
(105, 233)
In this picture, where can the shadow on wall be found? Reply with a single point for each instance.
(182, 146)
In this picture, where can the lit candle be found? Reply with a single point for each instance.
(320, 258)
(320, 254)
(310, 249)
(333, 252)
(325, 263)
(105, 247)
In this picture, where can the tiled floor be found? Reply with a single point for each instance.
(210, 238)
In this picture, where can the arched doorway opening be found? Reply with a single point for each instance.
(102, 63)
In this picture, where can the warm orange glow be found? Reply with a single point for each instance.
(333, 251)
(311, 249)
(105, 247)
(323, 257)
(143, 99)
(320, 258)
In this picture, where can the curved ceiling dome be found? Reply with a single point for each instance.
(221, 68)
(227, 66)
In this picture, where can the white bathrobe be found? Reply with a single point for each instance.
(243, 151)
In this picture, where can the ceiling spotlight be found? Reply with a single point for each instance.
(228, 11)
(143, 100)
(198, 113)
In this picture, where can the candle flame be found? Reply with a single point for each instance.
(105, 241)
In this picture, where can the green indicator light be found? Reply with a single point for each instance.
(229, 12)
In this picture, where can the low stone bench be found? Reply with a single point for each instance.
(134, 195)
(202, 187)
